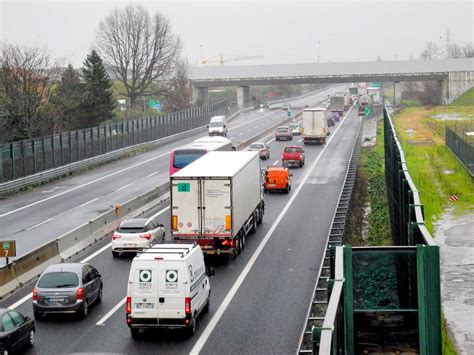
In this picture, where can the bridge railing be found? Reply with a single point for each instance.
(385, 299)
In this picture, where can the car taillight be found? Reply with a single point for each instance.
(35, 294)
(128, 305)
(226, 242)
(146, 236)
(187, 305)
(116, 236)
(80, 293)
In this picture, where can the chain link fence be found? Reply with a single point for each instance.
(27, 157)
(460, 140)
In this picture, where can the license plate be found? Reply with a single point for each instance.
(271, 185)
(144, 305)
(56, 299)
(130, 245)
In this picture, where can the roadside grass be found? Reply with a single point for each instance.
(466, 99)
(434, 169)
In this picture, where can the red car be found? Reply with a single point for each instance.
(293, 155)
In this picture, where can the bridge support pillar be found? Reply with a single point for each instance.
(443, 86)
(201, 96)
(397, 93)
(243, 96)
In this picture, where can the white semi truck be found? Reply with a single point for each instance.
(217, 201)
(315, 126)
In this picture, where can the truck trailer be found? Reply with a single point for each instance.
(337, 104)
(217, 201)
(315, 127)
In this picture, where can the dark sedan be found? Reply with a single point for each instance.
(17, 331)
(67, 288)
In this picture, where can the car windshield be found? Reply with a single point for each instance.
(292, 150)
(215, 124)
(59, 279)
(282, 129)
(185, 157)
(256, 146)
(294, 126)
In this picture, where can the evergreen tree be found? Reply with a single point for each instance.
(98, 103)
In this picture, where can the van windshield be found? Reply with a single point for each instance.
(185, 157)
(215, 124)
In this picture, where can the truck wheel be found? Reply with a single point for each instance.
(259, 216)
(239, 244)
(244, 240)
(253, 229)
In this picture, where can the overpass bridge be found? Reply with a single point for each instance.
(454, 76)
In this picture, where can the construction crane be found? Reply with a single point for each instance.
(219, 59)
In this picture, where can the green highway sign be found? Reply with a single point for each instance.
(289, 113)
(368, 111)
(375, 84)
(184, 187)
(8, 248)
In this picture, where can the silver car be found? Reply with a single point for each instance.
(262, 149)
(136, 234)
(67, 288)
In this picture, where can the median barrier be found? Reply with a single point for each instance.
(73, 242)
(31, 265)
(8, 281)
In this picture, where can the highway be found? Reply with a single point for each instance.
(259, 300)
(35, 217)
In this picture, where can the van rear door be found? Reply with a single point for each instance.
(216, 220)
(145, 281)
(171, 291)
(185, 194)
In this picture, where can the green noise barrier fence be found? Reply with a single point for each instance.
(386, 299)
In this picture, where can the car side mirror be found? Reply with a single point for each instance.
(291, 174)
(210, 272)
(161, 225)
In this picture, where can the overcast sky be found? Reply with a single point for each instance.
(283, 32)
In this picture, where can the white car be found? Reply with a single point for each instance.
(136, 234)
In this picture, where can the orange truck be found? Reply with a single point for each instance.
(277, 179)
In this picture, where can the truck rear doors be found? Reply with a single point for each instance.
(186, 207)
(216, 211)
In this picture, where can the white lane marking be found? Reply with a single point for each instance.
(85, 260)
(150, 175)
(247, 122)
(53, 189)
(160, 212)
(112, 311)
(39, 224)
(230, 295)
(85, 204)
(124, 187)
(275, 163)
(271, 140)
(240, 134)
(300, 140)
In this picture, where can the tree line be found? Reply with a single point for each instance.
(136, 56)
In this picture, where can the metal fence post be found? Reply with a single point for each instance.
(92, 141)
(12, 156)
(33, 151)
(44, 153)
(348, 299)
(53, 149)
(2, 178)
(84, 136)
(62, 148)
(70, 147)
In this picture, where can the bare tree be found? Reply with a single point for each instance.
(180, 92)
(137, 48)
(468, 50)
(455, 51)
(431, 51)
(28, 77)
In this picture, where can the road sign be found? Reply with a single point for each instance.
(289, 113)
(375, 84)
(156, 105)
(367, 111)
(8, 248)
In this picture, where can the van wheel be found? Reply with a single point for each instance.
(115, 254)
(208, 304)
(135, 333)
(191, 330)
(287, 189)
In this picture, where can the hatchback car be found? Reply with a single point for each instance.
(16, 331)
(295, 129)
(283, 132)
(262, 148)
(67, 288)
(136, 234)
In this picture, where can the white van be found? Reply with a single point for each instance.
(217, 126)
(168, 287)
